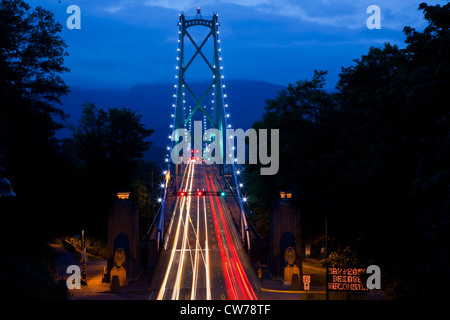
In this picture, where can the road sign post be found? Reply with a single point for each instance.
(306, 282)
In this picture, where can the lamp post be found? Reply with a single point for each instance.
(83, 259)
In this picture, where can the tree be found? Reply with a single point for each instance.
(397, 100)
(31, 59)
(109, 146)
(300, 112)
(373, 158)
(32, 54)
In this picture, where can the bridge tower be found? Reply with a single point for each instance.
(189, 104)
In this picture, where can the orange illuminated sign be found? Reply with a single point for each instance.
(345, 279)
(123, 195)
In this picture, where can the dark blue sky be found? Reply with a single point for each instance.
(127, 42)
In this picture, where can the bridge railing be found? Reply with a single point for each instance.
(249, 223)
(158, 221)
(153, 224)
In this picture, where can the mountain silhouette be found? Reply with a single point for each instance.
(246, 100)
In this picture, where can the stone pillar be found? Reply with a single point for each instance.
(123, 241)
(285, 233)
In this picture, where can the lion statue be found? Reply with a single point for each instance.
(289, 256)
(119, 257)
(119, 269)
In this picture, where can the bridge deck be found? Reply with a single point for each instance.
(203, 257)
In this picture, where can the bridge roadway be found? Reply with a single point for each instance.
(203, 257)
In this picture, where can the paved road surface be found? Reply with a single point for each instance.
(203, 257)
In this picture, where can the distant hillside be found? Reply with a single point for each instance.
(153, 101)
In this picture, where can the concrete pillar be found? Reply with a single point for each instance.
(285, 233)
(123, 241)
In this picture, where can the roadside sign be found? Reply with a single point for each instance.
(345, 279)
(306, 281)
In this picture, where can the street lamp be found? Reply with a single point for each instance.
(246, 201)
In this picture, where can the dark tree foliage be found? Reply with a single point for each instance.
(31, 59)
(373, 159)
(298, 112)
(61, 186)
(108, 148)
(32, 55)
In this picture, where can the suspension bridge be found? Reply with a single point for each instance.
(202, 235)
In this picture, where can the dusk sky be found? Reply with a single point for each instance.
(122, 43)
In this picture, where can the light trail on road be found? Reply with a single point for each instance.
(239, 285)
(200, 256)
(177, 233)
